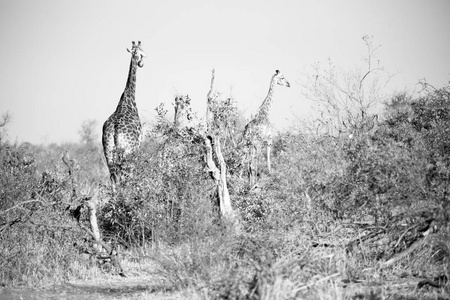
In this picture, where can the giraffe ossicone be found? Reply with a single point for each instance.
(122, 131)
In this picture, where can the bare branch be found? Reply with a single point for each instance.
(6, 119)
(209, 103)
(347, 99)
(20, 204)
(426, 86)
(365, 75)
(211, 88)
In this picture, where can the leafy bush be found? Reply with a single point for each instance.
(33, 250)
(167, 190)
(40, 239)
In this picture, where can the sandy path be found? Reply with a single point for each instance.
(115, 288)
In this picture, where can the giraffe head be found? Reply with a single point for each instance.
(137, 53)
(280, 80)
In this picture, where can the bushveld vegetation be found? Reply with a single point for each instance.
(357, 205)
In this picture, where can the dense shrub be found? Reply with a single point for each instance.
(32, 250)
(40, 239)
(17, 177)
(376, 173)
(167, 191)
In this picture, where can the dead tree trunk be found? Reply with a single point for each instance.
(91, 204)
(219, 174)
(89, 200)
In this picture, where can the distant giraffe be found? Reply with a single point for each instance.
(122, 131)
(258, 131)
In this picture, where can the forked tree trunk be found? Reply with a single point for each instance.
(219, 174)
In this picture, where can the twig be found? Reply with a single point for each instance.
(403, 234)
(21, 203)
(9, 224)
(316, 282)
(65, 227)
(6, 119)
(368, 72)
(366, 237)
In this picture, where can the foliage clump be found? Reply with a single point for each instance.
(38, 244)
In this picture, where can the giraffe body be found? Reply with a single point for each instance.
(258, 131)
(122, 131)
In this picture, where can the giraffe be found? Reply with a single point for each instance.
(122, 131)
(258, 131)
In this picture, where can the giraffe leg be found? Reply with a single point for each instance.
(115, 167)
(113, 170)
(254, 166)
(251, 165)
(248, 165)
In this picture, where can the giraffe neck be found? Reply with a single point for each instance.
(264, 109)
(131, 82)
(127, 101)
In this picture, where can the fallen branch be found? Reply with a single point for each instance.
(404, 234)
(402, 254)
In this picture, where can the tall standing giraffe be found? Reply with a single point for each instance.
(122, 131)
(258, 131)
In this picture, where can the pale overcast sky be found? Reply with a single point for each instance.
(64, 61)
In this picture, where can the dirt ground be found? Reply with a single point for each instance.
(149, 287)
(116, 288)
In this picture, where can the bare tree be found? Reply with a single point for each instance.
(88, 133)
(348, 100)
(6, 119)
